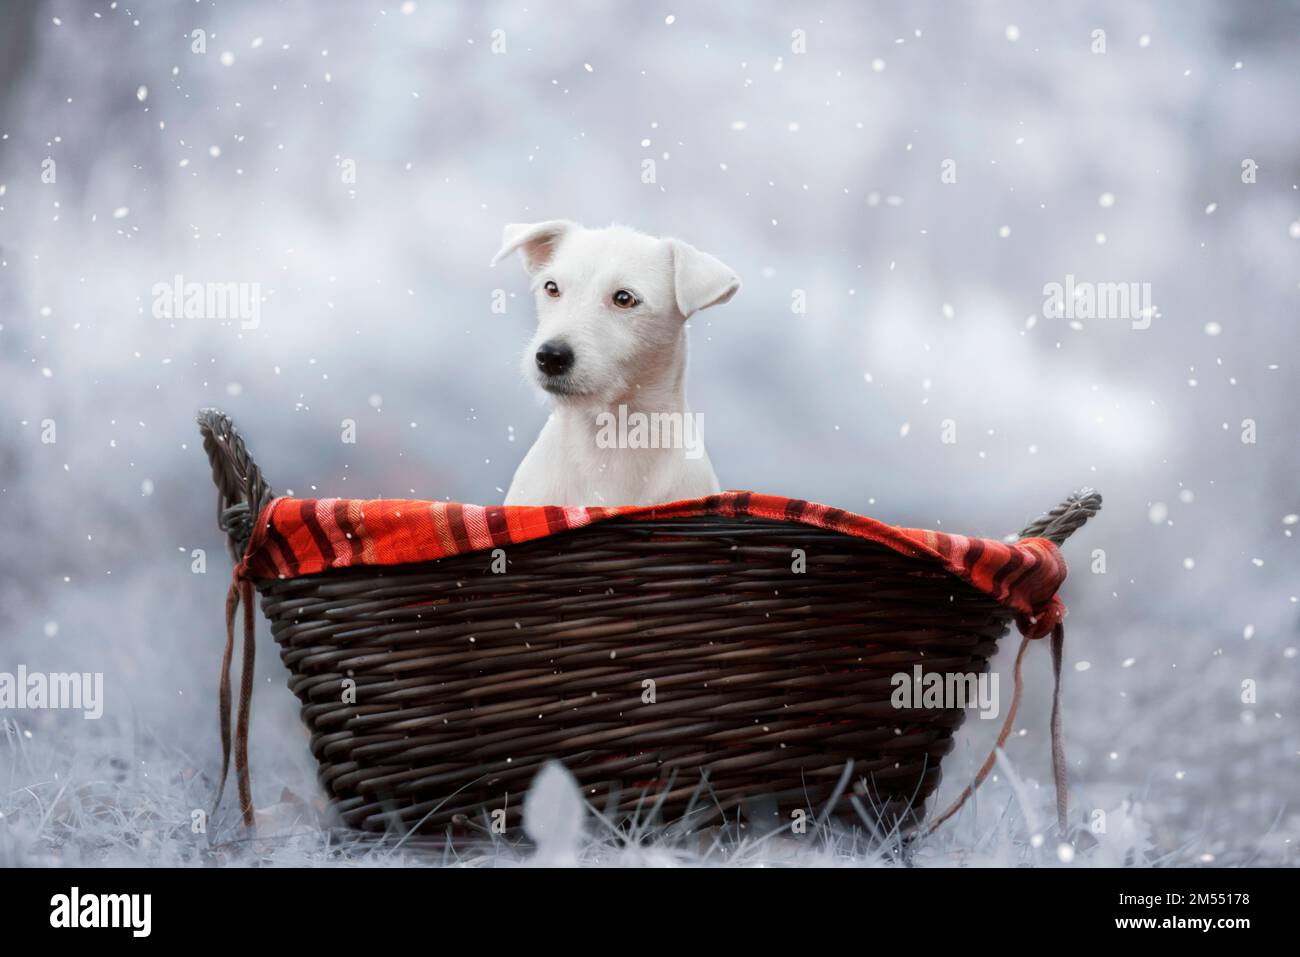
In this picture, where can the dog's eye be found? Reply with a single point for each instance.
(552, 289)
(625, 300)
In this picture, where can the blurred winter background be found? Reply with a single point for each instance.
(805, 148)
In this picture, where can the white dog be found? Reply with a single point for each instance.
(611, 349)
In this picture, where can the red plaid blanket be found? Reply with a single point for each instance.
(296, 537)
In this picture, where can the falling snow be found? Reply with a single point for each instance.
(358, 207)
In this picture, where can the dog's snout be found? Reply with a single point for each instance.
(554, 358)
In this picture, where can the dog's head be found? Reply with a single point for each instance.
(611, 304)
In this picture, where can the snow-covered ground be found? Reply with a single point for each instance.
(896, 185)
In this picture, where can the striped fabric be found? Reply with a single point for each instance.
(295, 537)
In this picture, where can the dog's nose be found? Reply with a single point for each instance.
(554, 358)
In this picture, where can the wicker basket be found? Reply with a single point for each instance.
(768, 686)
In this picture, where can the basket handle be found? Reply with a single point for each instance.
(241, 490)
(1067, 518)
(1056, 526)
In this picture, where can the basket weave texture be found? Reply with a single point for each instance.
(678, 668)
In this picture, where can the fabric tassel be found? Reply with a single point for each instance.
(1058, 744)
(241, 591)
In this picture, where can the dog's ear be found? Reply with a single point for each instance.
(537, 242)
(701, 280)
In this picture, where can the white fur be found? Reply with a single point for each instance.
(631, 357)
